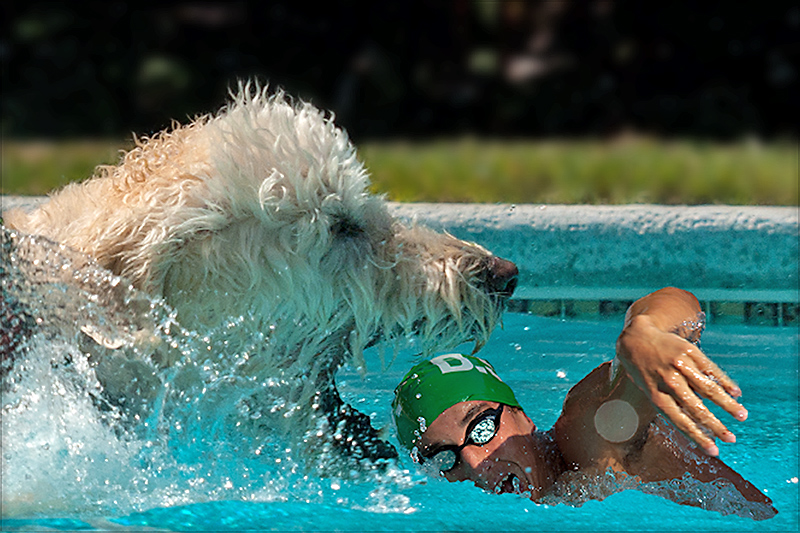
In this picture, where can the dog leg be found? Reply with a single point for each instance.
(353, 434)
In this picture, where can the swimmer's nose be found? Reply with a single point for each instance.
(502, 277)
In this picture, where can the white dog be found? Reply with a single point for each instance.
(261, 217)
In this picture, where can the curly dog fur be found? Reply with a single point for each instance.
(262, 213)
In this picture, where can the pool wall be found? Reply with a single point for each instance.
(741, 261)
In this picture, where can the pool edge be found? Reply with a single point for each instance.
(588, 260)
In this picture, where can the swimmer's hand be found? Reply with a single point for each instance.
(674, 374)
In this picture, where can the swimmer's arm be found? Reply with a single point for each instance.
(654, 452)
(672, 372)
(666, 454)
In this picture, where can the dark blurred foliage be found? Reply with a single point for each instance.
(718, 70)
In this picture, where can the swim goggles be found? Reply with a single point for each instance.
(480, 432)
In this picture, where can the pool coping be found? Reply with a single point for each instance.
(585, 261)
(580, 261)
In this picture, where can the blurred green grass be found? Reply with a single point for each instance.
(626, 170)
(37, 167)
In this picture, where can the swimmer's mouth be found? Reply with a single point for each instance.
(510, 483)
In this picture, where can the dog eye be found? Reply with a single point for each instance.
(345, 227)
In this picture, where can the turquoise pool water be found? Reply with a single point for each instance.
(64, 469)
(69, 464)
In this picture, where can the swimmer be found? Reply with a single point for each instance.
(455, 414)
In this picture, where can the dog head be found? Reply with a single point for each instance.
(264, 211)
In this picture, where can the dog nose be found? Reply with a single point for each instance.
(502, 277)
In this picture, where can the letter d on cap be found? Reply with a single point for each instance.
(445, 365)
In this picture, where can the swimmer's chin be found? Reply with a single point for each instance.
(509, 484)
(512, 484)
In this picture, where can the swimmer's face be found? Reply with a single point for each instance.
(494, 445)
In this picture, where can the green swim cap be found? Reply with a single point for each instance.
(433, 386)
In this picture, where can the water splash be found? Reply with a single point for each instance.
(578, 488)
(110, 406)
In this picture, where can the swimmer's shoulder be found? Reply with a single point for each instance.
(574, 431)
(586, 445)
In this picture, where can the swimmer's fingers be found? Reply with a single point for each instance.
(686, 424)
(710, 369)
(707, 386)
(687, 399)
(678, 395)
(698, 375)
